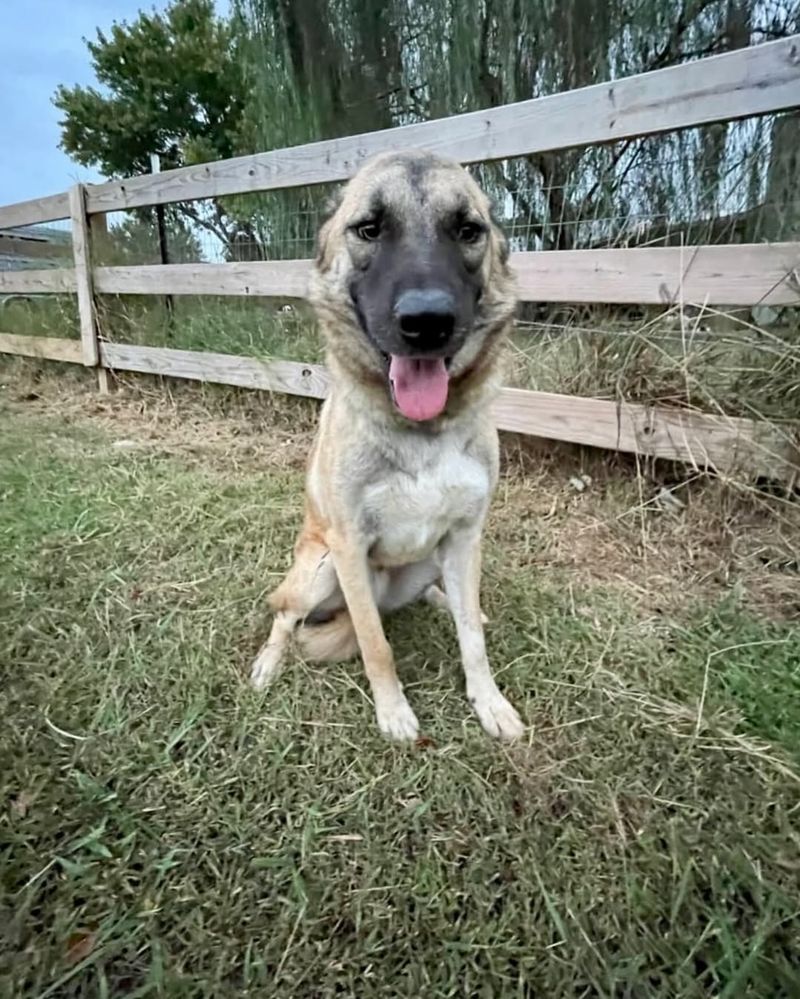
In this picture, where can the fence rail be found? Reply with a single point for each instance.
(728, 444)
(48, 209)
(747, 82)
(744, 274)
(46, 348)
(52, 280)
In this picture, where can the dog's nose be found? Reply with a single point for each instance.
(426, 317)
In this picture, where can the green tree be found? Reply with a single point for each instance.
(169, 83)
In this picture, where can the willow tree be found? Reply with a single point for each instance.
(324, 68)
(315, 69)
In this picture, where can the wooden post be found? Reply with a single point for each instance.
(103, 380)
(161, 228)
(98, 227)
(98, 234)
(81, 249)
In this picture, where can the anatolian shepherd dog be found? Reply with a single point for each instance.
(413, 291)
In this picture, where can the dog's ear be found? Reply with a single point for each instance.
(332, 203)
(330, 209)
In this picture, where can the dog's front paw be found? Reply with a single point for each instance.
(396, 719)
(265, 666)
(498, 718)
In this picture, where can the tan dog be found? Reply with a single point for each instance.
(414, 295)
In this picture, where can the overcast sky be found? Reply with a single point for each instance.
(41, 45)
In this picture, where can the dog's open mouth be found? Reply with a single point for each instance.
(419, 385)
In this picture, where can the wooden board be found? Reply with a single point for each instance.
(81, 250)
(744, 274)
(37, 282)
(279, 278)
(290, 377)
(35, 211)
(734, 85)
(48, 348)
(715, 275)
(702, 440)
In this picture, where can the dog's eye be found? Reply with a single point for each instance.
(470, 232)
(368, 231)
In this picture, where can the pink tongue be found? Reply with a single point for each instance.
(420, 386)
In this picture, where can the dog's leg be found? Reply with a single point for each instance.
(461, 569)
(310, 581)
(436, 597)
(395, 717)
(267, 664)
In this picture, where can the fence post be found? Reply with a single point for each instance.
(161, 229)
(82, 250)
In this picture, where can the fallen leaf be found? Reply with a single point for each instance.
(80, 945)
(425, 742)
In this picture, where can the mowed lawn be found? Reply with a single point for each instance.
(167, 832)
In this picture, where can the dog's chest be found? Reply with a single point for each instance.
(410, 512)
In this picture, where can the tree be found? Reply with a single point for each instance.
(169, 83)
(324, 68)
(194, 87)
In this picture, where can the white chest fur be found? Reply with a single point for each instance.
(410, 510)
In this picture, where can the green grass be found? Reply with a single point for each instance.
(227, 326)
(221, 325)
(45, 315)
(167, 832)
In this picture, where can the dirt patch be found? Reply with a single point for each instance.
(619, 532)
(207, 424)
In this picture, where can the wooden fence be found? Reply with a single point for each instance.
(752, 81)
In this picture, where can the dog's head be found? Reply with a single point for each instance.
(411, 279)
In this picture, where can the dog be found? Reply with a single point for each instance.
(414, 295)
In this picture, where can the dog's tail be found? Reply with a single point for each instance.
(331, 641)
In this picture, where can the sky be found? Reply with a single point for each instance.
(41, 46)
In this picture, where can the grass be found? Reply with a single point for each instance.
(715, 361)
(223, 325)
(167, 832)
(51, 315)
(228, 326)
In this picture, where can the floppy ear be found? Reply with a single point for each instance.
(330, 209)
